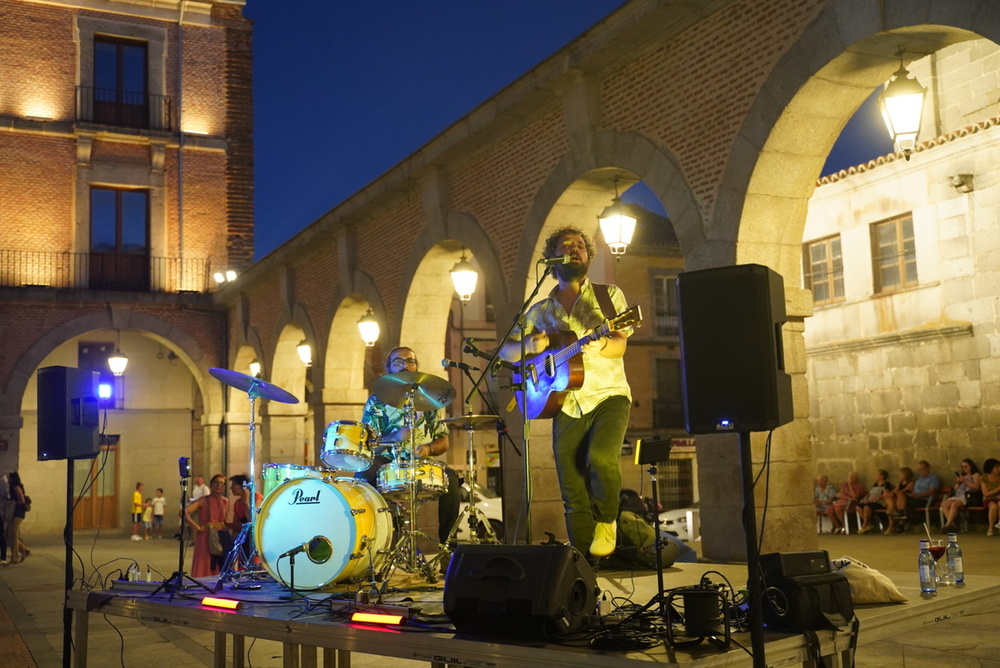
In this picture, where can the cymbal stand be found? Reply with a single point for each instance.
(406, 555)
(476, 516)
(244, 549)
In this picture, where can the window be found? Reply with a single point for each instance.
(824, 270)
(894, 255)
(664, 305)
(667, 405)
(120, 93)
(119, 239)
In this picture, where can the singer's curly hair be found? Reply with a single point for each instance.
(553, 239)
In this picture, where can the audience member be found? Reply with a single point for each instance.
(823, 493)
(147, 518)
(159, 511)
(211, 511)
(967, 485)
(22, 504)
(6, 516)
(200, 489)
(136, 511)
(895, 501)
(874, 502)
(990, 485)
(925, 488)
(850, 492)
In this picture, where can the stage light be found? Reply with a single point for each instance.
(104, 391)
(226, 603)
(376, 618)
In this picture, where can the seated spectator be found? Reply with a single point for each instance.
(895, 501)
(874, 501)
(823, 494)
(925, 487)
(967, 485)
(990, 485)
(850, 492)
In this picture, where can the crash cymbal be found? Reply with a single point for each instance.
(249, 384)
(429, 392)
(472, 422)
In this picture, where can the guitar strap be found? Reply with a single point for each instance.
(604, 299)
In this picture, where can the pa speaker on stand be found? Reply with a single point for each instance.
(732, 362)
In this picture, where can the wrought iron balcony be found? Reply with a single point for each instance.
(108, 106)
(103, 271)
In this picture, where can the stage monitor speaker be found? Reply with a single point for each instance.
(67, 413)
(518, 590)
(732, 362)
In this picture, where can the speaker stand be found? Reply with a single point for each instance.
(754, 583)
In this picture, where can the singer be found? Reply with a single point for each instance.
(587, 434)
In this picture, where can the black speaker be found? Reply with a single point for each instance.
(67, 413)
(518, 590)
(732, 363)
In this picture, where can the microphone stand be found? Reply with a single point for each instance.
(496, 362)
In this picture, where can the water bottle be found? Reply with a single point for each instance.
(954, 556)
(928, 573)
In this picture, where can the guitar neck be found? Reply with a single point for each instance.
(574, 349)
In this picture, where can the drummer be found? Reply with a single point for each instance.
(431, 438)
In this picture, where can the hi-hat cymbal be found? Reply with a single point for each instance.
(472, 422)
(429, 392)
(252, 385)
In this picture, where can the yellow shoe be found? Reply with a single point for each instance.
(605, 538)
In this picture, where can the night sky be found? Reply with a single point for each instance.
(344, 91)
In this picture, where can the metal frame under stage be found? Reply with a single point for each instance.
(303, 635)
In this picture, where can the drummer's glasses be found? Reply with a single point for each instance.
(401, 362)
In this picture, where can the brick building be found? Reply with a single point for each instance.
(126, 163)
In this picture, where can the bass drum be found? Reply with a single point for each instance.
(344, 526)
(275, 475)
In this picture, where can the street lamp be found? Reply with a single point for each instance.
(464, 276)
(255, 368)
(617, 225)
(305, 353)
(902, 105)
(368, 327)
(118, 361)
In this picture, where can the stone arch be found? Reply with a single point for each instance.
(799, 114)
(192, 355)
(584, 183)
(346, 367)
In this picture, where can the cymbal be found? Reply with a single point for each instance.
(472, 422)
(429, 392)
(252, 385)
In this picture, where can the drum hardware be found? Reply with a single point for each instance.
(255, 388)
(177, 578)
(412, 391)
(476, 518)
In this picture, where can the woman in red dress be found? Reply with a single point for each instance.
(211, 513)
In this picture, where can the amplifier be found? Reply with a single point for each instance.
(791, 564)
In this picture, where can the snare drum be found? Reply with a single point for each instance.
(347, 446)
(345, 521)
(274, 475)
(431, 482)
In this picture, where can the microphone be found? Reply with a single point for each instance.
(296, 550)
(562, 259)
(447, 363)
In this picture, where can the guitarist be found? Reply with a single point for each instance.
(587, 433)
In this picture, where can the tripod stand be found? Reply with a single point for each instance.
(176, 580)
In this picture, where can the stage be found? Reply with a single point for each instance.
(313, 632)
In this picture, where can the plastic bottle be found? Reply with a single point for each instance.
(954, 556)
(928, 573)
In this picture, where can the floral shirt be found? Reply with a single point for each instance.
(385, 419)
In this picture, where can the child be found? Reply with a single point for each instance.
(147, 517)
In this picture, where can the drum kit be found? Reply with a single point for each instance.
(349, 531)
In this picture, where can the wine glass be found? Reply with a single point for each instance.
(937, 549)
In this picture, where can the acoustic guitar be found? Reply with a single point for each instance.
(551, 374)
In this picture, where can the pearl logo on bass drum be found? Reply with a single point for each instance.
(300, 498)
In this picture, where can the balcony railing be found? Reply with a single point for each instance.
(103, 271)
(107, 106)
